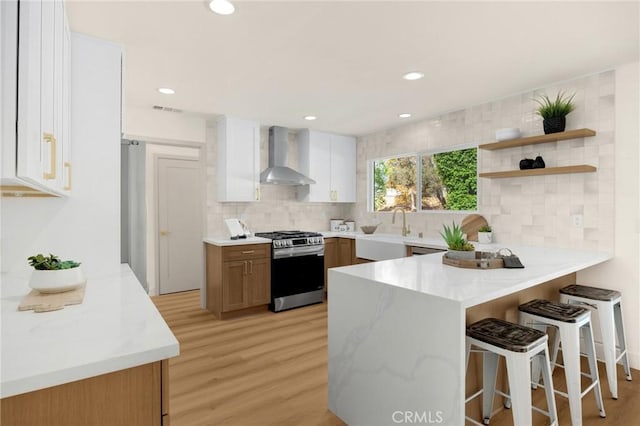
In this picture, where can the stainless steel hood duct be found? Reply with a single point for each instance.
(278, 173)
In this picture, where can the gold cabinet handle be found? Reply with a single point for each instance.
(257, 194)
(248, 252)
(164, 233)
(67, 165)
(245, 267)
(49, 138)
(251, 266)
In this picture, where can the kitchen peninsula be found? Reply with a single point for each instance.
(103, 361)
(397, 328)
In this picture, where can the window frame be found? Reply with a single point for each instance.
(418, 156)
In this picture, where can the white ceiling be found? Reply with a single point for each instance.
(343, 60)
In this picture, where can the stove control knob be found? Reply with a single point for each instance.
(289, 243)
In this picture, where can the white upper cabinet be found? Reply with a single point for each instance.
(238, 160)
(34, 38)
(330, 160)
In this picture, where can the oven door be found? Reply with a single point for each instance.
(296, 272)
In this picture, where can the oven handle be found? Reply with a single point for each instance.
(298, 252)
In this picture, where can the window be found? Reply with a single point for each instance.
(445, 180)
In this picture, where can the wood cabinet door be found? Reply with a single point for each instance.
(345, 251)
(330, 256)
(259, 281)
(234, 285)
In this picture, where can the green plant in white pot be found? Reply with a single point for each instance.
(459, 247)
(485, 234)
(52, 275)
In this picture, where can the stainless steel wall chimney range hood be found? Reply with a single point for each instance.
(278, 173)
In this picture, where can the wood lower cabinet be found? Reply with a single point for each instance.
(238, 278)
(134, 396)
(346, 251)
(330, 257)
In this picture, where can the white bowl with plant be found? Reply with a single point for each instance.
(52, 275)
(459, 247)
(485, 234)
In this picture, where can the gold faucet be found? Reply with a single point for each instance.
(405, 229)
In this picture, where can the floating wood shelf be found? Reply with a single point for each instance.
(539, 172)
(534, 140)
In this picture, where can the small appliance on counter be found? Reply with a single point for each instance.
(237, 229)
(334, 224)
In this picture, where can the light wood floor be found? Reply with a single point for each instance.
(271, 369)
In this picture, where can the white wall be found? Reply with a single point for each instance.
(151, 153)
(148, 124)
(623, 272)
(85, 226)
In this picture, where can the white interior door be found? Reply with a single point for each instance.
(179, 225)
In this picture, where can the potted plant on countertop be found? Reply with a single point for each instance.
(459, 247)
(485, 234)
(52, 275)
(554, 112)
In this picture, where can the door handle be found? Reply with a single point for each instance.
(164, 233)
(251, 266)
(50, 139)
(67, 187)
(245, 267)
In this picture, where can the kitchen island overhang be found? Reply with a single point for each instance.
(397, 330)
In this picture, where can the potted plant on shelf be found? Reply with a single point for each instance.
(554, 112)
(459, 247)
(485, 234)
(52, 275)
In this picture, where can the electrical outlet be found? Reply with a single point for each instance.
(577, 220)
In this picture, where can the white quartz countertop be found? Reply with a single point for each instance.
(426, 274)
(226, 241)
(116, 327)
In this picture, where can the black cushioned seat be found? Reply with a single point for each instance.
(505, 335)
(593, 293)
(553, 310)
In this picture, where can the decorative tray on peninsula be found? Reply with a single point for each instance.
(478, 263)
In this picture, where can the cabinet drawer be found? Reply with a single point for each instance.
(249, 251)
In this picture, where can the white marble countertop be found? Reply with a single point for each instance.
(116, 327)
(226, 241)
(469, 287)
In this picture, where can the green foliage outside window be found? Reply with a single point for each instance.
(458, 171)
(448, 182)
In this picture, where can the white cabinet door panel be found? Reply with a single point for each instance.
(343, 163)
(238, 143)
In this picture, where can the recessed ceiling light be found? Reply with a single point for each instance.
(404, 115)
(310, 117)
(221, 7)
(166, 91)
(413, 75)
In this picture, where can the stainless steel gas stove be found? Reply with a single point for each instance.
(297, 268)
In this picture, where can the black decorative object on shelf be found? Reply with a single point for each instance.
(554, 125)
(526, 163)
(538, 163)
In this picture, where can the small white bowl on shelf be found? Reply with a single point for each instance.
(508, 133)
